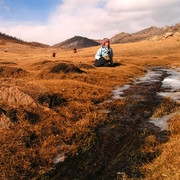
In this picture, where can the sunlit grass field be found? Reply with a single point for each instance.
(66, 89)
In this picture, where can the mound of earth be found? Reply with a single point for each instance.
(4, 62)
(85, 66)
(52, 100)
(6, 71)
(66, 68)
(42, 62)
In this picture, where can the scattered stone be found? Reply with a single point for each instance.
(59, 158)
(14, 96)
(168, 34)
(176, 34)
(4, 121)
(61, 155)
(153, 38)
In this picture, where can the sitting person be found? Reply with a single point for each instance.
(104, 56)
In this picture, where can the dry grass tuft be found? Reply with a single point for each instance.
(66, 68)
(174, 124)
(166, 107)
(66, 112)
(12, 72)
(85, 66)
(167, 164)
(4, 62)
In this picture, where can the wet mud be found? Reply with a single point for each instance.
(116, 151)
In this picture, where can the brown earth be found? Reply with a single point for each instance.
(65, 113)
(12, 72)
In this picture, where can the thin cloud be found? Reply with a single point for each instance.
(7, 8)
(3, 6)
(97, 19)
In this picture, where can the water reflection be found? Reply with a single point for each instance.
(170, 88)
(171, 85)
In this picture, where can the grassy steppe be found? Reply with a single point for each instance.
(66, 90)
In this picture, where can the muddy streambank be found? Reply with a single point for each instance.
(117, 149)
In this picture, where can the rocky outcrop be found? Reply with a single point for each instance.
(166, 35)
(152, 33)
(15, 97)
(138, 36)
(176, 34)
(4, 120)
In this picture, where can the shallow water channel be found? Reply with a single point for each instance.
(116, 150)
(169, 86)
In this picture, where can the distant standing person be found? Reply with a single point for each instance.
(104, 56)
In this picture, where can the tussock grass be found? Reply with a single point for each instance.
(167, 164)
(166, 107)
(12, 72)
(66, 112)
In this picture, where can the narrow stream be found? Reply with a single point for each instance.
(116, 149)
(170, 88)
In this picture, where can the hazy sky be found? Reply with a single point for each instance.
(52, 21)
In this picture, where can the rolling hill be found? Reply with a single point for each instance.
(7, 38)
(146, 34)
(150, 33)
(77, 42)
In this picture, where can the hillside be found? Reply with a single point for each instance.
(39, 44)
(77, 42)
(7, 38)
(59, 118)
(146, 34)
(151, 33)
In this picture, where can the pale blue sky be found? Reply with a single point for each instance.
(52, 21)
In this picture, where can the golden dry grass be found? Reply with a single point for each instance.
(167, 164)
(68, 113)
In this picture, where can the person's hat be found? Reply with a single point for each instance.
(105, 40)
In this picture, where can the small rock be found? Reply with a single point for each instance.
(4, 121)
(59, 158)
(168, 34)
(14, 96)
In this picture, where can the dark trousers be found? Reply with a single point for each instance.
(101, 62)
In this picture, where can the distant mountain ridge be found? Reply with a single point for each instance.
(145, 34)
(77, 42)
(7, 38)
(151, 33)
(39, 44)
